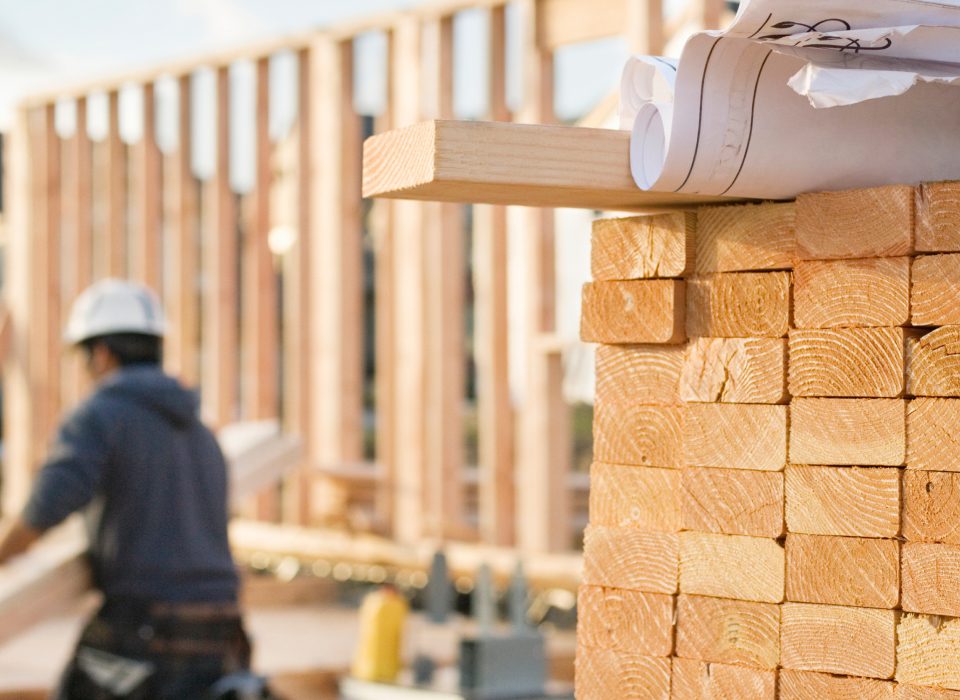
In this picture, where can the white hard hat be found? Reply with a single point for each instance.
(114, 306)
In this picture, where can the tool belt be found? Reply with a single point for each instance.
(131, 648)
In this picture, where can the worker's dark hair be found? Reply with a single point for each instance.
(129, 348)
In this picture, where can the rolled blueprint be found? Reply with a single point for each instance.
(799, 96)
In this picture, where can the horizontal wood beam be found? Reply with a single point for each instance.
(247, 537)
(566, 22)
(518, 164)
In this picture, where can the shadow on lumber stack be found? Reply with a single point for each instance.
(771, 378)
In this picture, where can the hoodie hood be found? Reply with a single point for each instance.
(149, 386)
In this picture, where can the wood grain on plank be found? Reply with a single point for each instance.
(630, 433)
(746, 237)
(933, 434)
(739, 305)
(736, 436)
(850, 501)
(935, 290)
(732, 501)
(931, 578)
(640, 247)
(622, 620)
(735, 370)
(841, 640)
(700, 680)
(810, 685)
(905, 691)
(933, 363)
(870, 292)
(648, 374)
(865, 223)
(856, 571)
(631, 559)
(731, 566)
(938, 217)
(641, 311)
(847, 362)
(602, 674)
(728, 631)
(927, 650)
(848, 431)
(931, 506)
(645, 498)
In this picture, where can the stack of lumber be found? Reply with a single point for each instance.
(775, 498)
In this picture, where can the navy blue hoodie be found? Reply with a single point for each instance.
(152, 483)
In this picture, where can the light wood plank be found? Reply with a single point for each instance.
(495, 413)
(21, 220)
(931, 506)
(336, 271)
(647, 311)
(935, 290)
(604, 674)
(647, 374)
(876, 222)
(931, 578)
(739, 305)
(630, 433)
(644, 498)
(497, 163)
(938, 214)
(809, 685)
(848, 431)
(220, 375)
(181, 298)
(699, 680)
(569, 22)
(643, 246)
(854, 571)
(932, 428)
(745, 237)
(927, 651)
(869, 292)
(544, 454)
(260, 293)
(81, 275)
(115, 250)
(736, 436)
(731, 566)
(444, 294)
(933, 367)
(905, 691)
(407, 304)
(735, 370)
(731, 502)
(840, 640)
(145, 233)
(847, 362)
(631, 559)
(625, 621)
(728, 631)
(849, 501)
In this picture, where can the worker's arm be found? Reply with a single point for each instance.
(15, 538)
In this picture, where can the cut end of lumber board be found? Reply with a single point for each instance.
(503, 163)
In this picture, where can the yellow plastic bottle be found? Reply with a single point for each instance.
(382, 616)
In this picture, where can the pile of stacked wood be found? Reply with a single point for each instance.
(775, 498)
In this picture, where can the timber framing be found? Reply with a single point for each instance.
(531, 165)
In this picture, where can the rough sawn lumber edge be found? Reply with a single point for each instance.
(54, 574)
(512, 164)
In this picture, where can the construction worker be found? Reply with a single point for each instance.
(151, 482)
